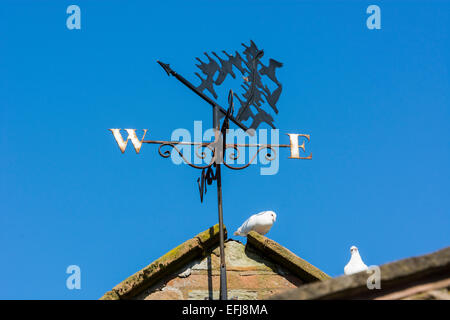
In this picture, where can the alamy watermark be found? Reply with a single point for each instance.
(74, 280)
(74, 20)
(374, 20)
(238, 155)
(374, 280)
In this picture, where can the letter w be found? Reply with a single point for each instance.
(131, 136)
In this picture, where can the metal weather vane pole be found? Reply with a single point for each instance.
(223, 268)
(219, 149)
(255, 93)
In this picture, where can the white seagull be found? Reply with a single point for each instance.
(355, 264)
(260, 222)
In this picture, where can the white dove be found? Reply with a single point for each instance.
(260, 222)
(355, 264)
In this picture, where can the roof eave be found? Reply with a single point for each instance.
(303, 269)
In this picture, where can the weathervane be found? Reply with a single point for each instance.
(256, 95)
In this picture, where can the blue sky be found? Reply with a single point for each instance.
(375, 102)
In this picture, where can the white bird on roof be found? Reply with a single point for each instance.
(355, 264)
(260, 222)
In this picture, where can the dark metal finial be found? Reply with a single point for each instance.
(230, 101)
(166, 68)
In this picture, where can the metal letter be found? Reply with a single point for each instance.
(131, 136)
(295, 153)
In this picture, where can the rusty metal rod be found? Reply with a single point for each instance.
(223, 295)
(205, 144)
(223, 268)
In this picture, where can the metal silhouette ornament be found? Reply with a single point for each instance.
(254, 99)
(254, 73)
